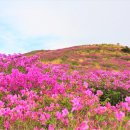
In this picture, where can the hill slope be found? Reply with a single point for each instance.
(103, 56)
(37, 96)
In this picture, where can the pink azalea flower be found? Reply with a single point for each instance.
(76, 101)
(88, 92)
(101, 109)
(43, 119)
(76, 104)
(65, 112)
(127, 99)
(47, 116)
(36, 128)
(51, 127)
(42, 129)
(1, 104)
(128, 123)
(58, 115)
(6, 124)
(119, 115)
(86, 84)
(83, 126)
(99, 93)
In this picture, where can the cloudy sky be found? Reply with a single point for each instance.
(27, 25)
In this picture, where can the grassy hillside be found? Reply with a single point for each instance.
(35, 95)
(103, 56)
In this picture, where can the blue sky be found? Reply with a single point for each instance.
(27, 25)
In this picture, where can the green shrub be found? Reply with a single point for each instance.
(126, 49)
(112, 96)
(74, 63)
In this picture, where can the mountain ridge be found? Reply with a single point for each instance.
(96, 56)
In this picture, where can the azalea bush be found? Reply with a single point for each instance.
(38, 96)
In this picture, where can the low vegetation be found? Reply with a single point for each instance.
(37, 95)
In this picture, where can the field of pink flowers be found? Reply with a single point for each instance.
(38, 96)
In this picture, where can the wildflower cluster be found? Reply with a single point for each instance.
(38, 96)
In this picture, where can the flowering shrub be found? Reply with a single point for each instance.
(38, 96)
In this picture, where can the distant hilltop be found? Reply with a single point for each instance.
(84, 57)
